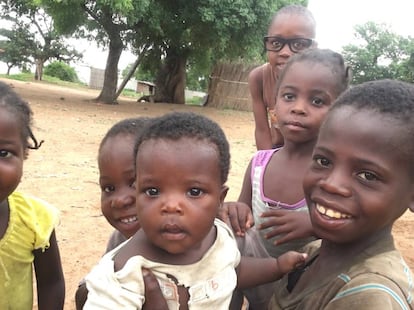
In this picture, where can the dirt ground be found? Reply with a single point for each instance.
(64, 170)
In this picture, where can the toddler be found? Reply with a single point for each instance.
(182, 164)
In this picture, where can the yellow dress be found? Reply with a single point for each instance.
(31, 222)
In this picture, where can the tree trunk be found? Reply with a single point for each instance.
(108, 92)
(39, 69)
(170, 82)
(131, 72)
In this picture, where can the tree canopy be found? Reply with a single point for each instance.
(32, 37)
(380, 53)
(177, 32)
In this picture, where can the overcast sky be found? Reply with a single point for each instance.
(335, 19)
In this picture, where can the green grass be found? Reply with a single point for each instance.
(29, 77)
(194, 101)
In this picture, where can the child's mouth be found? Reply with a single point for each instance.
(331, 213)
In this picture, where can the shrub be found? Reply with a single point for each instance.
(61, 71)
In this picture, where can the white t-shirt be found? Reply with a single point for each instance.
(210, 281)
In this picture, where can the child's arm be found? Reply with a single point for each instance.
(256, 271)
(81, 295)
(49, 277)
(291, 225)
(238, 215)
(262, 132)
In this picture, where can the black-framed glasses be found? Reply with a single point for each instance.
(275, 44)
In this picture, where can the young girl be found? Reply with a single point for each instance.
(360, 181)
(182, 164)
(291, 30)
(27, 235)
(116, 178)
(272, 186)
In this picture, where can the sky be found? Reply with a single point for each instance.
(336, 19)
(335, 22)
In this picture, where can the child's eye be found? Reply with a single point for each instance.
(321, 161)
(108, 188)
(368, 176)
(317, 101)
(195, 192)
(152, 191)
(288, 97)
(5, 154)
(276, 44)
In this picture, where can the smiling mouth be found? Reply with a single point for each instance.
(331, 213)
(129, 220)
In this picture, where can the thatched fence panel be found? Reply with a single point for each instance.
(228, 87)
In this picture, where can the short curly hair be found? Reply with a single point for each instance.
(392, 99)
(177, 125)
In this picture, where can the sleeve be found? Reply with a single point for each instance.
(38, 216)
(47, 218)
(110, 290)
(369, 291)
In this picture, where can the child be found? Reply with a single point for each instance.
(182, 164)
(291, 30)
(116, 178)
(27, 235)
(360, 182)
(272, 186)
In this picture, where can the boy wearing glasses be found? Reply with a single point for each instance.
(291, 30)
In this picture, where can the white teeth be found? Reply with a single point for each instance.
(331, 213)
(129, 220)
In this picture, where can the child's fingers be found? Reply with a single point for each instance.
(154, 299)
(291, 260)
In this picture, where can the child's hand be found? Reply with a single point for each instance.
(237, 215)
(154, 299)
(289, 261)
(292, 225)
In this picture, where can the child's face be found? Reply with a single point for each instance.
(358, 183)
(305, 95)
(287, 26)
(11, 153)
(116, 179)
(179, 191)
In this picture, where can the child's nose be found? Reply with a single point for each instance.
(336, 183)
(285, 51)
(173, 204)
(299, 106)
(123, 200)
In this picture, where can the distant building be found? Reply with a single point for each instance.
(146, 88)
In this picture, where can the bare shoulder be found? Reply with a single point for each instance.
(256, 74)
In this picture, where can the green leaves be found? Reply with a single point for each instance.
(380, 53)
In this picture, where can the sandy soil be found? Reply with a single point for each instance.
(64, 170)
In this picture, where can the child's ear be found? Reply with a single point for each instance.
(223, 194)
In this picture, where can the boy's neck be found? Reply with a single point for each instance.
(343, 250)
